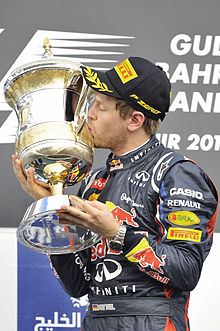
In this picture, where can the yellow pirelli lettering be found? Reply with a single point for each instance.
(142, 245)
(184, 234)
(125, 71)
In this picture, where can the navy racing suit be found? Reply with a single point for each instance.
(169, 206)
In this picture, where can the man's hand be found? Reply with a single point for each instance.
(93, 215)
(28, 181)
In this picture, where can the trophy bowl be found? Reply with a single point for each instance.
(51, 100)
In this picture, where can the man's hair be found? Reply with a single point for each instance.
(150, 126)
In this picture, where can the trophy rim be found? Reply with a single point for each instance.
(50, 63)
(30, 216)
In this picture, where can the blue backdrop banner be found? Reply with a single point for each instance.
(42, 303)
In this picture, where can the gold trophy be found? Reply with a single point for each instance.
(51, 100)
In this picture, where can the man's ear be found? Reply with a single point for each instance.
(135, 121)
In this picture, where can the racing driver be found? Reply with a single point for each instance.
(155, 209)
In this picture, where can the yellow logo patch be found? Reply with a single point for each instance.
(141, 246)
(183, 218)
(184, 234)
(125, 71)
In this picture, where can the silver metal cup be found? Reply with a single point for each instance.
(51, 100)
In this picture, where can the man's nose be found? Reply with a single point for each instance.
(92, 113)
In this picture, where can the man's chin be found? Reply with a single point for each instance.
(99, 144)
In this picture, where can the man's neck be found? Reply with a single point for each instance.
(131, 145)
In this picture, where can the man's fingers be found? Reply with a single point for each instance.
(65, 221)
(86, 206)
(31, 177)
(19, 171)
(70, 211)
(66, 218)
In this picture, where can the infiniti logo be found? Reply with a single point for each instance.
(142, 175)
(107, 270)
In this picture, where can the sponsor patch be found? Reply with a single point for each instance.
(187, 192)
(92, 77)
(183, 203)
(125, 71)
(115, 165)
(103, 307)
(183, 217)
(128, 199)
(99, 183)
(122, 216)
(184, 234)
(145, 255)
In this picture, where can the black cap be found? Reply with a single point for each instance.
(137, 81)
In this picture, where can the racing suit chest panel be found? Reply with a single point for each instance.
(132, 200)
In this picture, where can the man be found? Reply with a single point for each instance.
(155, 209)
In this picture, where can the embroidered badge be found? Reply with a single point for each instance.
(93, 78)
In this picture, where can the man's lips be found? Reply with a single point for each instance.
(89, 128)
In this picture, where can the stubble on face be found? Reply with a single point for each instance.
(113, 139)
(107, 127)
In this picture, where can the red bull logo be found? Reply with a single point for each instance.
(122, 216)
(73, 174)
(115, 164)
(145, 255)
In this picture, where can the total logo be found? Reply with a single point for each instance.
(139, 179)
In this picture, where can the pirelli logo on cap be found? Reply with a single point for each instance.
(184, 234)
(125, 71)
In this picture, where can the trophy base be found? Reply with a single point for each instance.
(40, 230)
